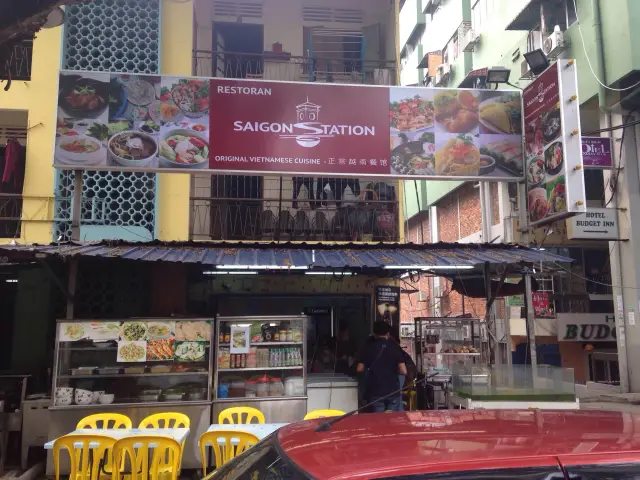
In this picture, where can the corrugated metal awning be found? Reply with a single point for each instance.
(441, 256)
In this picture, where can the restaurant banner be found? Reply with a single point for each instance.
(555, 177)
(187, 125)
(596, 152)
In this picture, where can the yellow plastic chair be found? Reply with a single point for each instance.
(147, 462)
(166, 420)
(85, 459)
(234, 415)
(235, 443)
(105, 420)
(323, 414)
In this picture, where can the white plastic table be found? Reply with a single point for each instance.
(260, 430)
(178, 434)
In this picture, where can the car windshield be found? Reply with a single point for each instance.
(260, 462)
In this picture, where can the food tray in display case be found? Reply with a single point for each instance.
(132, 361)
(260, 358)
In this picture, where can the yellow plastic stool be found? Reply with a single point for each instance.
(105, 420)
(147, 462)
(235, 442)
(81, 448)
(233, 415)
(323, 414)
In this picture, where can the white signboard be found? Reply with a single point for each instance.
(586, 327)
(595, 224)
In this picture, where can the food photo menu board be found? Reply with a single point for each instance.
(144, 341)
(553, 146)
(109, 121)
(456, 133)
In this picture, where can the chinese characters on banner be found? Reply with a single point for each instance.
(182, 124)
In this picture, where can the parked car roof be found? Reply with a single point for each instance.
(387, 444)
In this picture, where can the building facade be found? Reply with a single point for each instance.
(456, 41)
(303, 41)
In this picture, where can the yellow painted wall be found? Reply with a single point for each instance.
(176, 59)
(38, 97)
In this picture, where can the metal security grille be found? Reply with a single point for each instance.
(118, 36)
(113, 36)
(108, 198)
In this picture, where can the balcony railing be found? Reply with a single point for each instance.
(264, 214)
(283, 67)
(10, 215)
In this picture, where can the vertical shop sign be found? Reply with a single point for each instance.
(542, 305)
(555, 177)
(388, 305)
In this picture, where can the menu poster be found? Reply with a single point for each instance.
(388, 305)
(542, 305)
(132, 351)
(553, 146)
(240, 339)
(73, 332)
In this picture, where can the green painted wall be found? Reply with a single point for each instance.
(498, 47)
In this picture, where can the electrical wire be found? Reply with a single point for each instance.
(586, 55)
(614, 187)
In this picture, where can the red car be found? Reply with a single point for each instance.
(451, 445)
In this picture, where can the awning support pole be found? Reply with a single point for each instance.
(73, 279)
(531, 327)
(56, 279)
(487, 315)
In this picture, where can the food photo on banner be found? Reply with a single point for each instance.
(455, 133)
(132, 122)
(162, 123)
(553, 147)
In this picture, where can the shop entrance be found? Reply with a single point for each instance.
(604, 368)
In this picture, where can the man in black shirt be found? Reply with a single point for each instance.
(381, 361)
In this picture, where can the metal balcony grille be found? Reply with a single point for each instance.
(231, 207)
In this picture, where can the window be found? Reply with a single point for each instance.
(481, 13)
(626, 471)
(535, 473)
(263, 461)
(594, 185)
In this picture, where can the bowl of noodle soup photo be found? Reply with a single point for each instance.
(133, 149)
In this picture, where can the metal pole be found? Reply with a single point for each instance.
(280, 211)
(76, 216)
(73, 280)
(531, 330)
(487, 315)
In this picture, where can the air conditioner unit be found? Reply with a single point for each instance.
(469, 41)
(554, 43)
(525, 69)
(422, 296)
